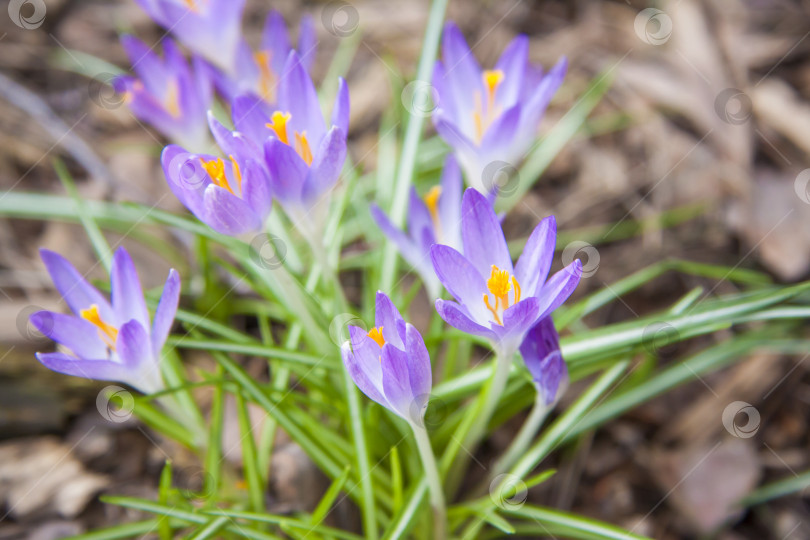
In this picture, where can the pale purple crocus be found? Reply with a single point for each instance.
(303, 154)
(490, 117)
(107, 341)
(543, 358)
(209, 28)
(434, 218)
(258, 72)
(495, 299)
(167, 93)
(231, 195)
(390, 364)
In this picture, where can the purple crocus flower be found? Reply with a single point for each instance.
(210, 28)
(541, 354)
(107, 341)
(258, 72)
(496, 300)
(304, 156)
(490, 115)
(232, 196)
(390, 364)
(432, 219)
(167, 93)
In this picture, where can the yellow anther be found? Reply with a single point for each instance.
(499, 284)
(172, 102)
(216, 170)
(492, 79)
(236, 172)
(517, 289)
(267, 79)
(107, 332)
(302, 147)
(486, 113)
(278, 123)
(191, 4)
(431, 199)
(376, 335)
(493, 310)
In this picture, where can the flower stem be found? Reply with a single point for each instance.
(524, 437)
(433, 481)
(497, 384)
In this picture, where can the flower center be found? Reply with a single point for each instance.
(107, 332)
(499, 285)
(278, 123)
(485, 114)
(267, 79)
(376, 335)
(431, 199)
(216, 170)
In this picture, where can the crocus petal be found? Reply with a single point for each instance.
(307, 41)
(461, 279)
(462, 73)
(100, 370)
(256, 188)
(454, 315)
(543, 93)
(396, 384)
(133, 345)
(127, 296)
(77, 293)
(250, 116)
(186, 178)
(288, 171)
(297, 96)
(146, 63)
(481, 234)
(227, 213)
(419, 218)
(419, 372)
(559, 287)
(360, 376)
(500, 136)
(452, 135)
(76, 334)
(405, 245)
(534, 263)
(450, 203)
(367, 354)
(275, 38)
(541, 354)
(389, 318)
(326, 166)
(340, 112)
(166, 310)
(512, 63)
(517, 321)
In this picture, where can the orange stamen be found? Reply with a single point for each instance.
(484, 115)
(499, 284)
(107, 332)
(216, 170)
(278, 123)
(267, 79)
(302, 147)
(376, 335)
(172, 102)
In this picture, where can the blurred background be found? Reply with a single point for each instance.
(698, 150)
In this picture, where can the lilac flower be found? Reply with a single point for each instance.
(432, 219)
(490, 115)
(543, 358)
(107, 341)
(303, 155)
(496, 300)
(210, 28)
(167, 93)
(232, 196)
(258, 73)
(390, 364)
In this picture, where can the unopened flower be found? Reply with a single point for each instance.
(107, 341)
(166, 92)
(490, 115)
(541, 354)
(210, 28)
(434, 218)
(258, 72)
(495, 299)
(390, 364)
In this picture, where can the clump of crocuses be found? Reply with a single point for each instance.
(108, 341)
